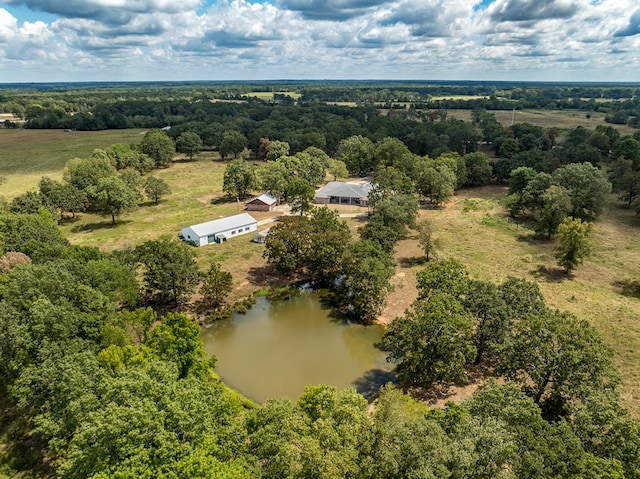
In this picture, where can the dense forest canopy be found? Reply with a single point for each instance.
(137, 104)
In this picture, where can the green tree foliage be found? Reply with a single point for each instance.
(189, 143)
(485, 303)
(368, 271)
(30, 202)
(85, 174)
(428, 242)
(289, 244)
(160, 430)
(337, 168)
(331, 240)
(321, 435)
(273, 177)
(520, 178)
(588, 187)
(170, 272)
(357, 152)
(447, 276)
(233, 143)
(177, 339)
(404, 442)
(522, 298)
(30, 234)
(239, 179)
(376, 231)
(113, 197)
(124, 156)
(628, 148)
(158, 146)
(556, 202)
(300, 195)
(625, 179)
(65, 197)
(556, 358)
(277, 149)
(397, 212)
(574, 243)
(133, 179)
(437, 183)
(216, 285)
(394, 153)
(543, 449)
(507, 148)
(432, 343)
(535, 189)
(608, 430)
(155, 188)
(478, 169)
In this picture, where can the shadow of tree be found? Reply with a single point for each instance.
(551, 275)
(410, 262)
(104, 225)
(628, 287)
(371, 381)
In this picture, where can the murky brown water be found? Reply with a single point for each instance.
(279, 347)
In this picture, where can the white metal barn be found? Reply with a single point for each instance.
(219, 231)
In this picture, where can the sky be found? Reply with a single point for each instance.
(180, 40)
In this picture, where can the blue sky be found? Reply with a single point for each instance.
(106, 40)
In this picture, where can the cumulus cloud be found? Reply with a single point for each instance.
(336, 10)
(105, 9)
(633, 27)
(531, 10)
(473, 39)
(431, 18)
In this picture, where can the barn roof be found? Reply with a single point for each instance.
(223, 224)
(344, 190)
(266, 198)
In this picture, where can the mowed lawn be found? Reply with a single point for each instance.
(28, 155)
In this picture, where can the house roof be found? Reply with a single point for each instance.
(266, 198)
(223, 224)
(344, 190)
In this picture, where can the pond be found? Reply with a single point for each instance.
(279, 347)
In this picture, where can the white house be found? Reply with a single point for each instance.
(219, 231)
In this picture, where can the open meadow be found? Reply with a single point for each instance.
(28, 155)
(547, 118)
(472, 228)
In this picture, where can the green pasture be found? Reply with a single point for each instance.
(269, 95)
(28, 155)
(475, 229)
(459, 97)
(563, 119)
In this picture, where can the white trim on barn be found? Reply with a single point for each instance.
(218, 231)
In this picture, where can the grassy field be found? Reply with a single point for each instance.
(269, 95)
(547, 118)
(474, 229)
(28, 155)
(458, 97)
